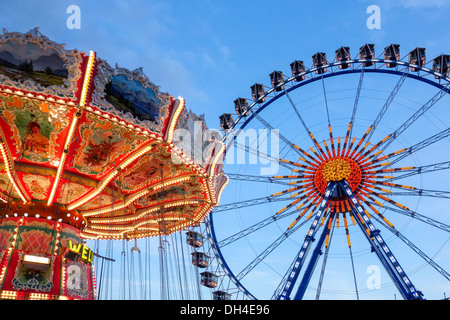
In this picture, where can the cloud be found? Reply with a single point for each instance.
(208, 60)
(224, 50)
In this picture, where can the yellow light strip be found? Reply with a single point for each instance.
(3, 198)
(110, 234)
(186, 159)
(73, 126)
(39, 296)
(8, 295)
(58, 236)
(216, 159)
(134, 197)
(87, 78)
(198, 218)
(167, 217)
(62, 161)
(142, 213)
(144, 192)
(173, 121)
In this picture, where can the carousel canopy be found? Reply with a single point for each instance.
(100, 142)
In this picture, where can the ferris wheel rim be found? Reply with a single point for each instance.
(339, 72)
(261, 106)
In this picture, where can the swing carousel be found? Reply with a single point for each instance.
(90, 152)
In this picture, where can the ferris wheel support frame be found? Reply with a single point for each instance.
(379, 246)
(309, 239)
(392, 266)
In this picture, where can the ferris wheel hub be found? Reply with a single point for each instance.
(336, 169)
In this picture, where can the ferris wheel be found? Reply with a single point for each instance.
(338, 180)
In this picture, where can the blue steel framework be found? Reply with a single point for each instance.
(321, 71)
(401, 280)
(309, 239)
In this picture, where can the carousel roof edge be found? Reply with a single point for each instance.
(111, 89)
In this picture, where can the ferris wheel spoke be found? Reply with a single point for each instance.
(325, 100)
(422, 170)
(388, 102)
(310, 135)
(348, 135)
(429, 260)
(260, 154)
(422, 193)
(260, 258)
(417, 216)
(248, 203)
(384, 143)
(287, 142)
(423, 144)
(255, 227)
(415, 116)
(406, 152)
(263, 179)
(364, 199)
(310, 198)
(330, 131)
(408, 190)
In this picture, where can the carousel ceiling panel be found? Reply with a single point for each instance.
(34, 130)
(103, 200)
(6, 189)
(71, 191)
(174, 204)
(36, 185)
(102, 144)
(158, 164)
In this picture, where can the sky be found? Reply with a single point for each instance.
(210, 52)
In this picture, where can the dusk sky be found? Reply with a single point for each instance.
(211, 52)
